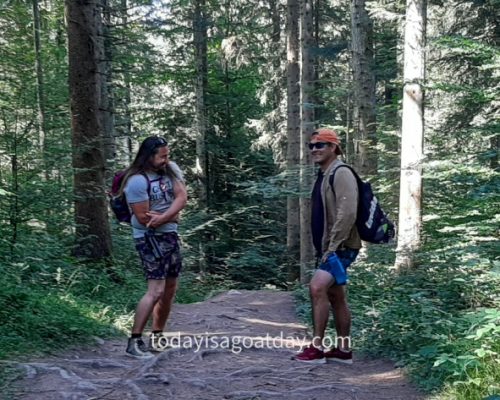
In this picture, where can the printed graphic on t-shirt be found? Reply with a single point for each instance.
(162, 189)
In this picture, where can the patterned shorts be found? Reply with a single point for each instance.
(170, 262)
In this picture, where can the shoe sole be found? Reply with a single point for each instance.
(159, 350)
(317, 361)
(145, 357)
(338, 360)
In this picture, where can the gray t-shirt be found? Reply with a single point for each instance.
(160, 197)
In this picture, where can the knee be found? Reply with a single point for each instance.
(156, 294)
(317, 291)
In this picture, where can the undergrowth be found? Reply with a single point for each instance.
(53, 301)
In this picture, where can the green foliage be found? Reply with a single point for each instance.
(243, 241)
(477, 52)
(441, 321)
(464, 87)
(47, 314)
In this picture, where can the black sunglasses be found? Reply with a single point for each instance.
(318, 145)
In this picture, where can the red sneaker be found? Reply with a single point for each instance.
(311, 355)
(336, 355)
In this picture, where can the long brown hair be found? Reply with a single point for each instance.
(143, 160)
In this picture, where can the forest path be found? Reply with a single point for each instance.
(216, 370)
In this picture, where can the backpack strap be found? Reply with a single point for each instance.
(148, 181)
(332, 176)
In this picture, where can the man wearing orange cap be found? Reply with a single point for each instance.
(337, 243)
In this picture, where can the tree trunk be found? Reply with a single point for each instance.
(390, 114)
(107, 112)
(318, 62)
(124, 147)
(93, 239)
(200, 44)
(14, 200)
(200, 48)
(494, 148)
(348, 147)
(276, 54)
(307, 76)
(42, 128)
(364, 121)
(410, 200)
(293, 135)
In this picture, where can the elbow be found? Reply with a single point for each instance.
(352, 218)
(348, 218)
(142, 218)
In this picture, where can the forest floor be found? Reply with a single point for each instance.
(217, 369)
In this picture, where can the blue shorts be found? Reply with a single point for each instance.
(346, 257)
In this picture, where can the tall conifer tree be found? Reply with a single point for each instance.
(93, 239)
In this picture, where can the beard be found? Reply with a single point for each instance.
(161, 170)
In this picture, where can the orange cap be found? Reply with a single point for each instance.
(328, 136)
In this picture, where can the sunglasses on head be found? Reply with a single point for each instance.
(318, 145)
(159, 142)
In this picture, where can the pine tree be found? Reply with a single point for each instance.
(93, 239)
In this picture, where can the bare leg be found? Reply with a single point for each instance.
(318, 290)
(338, 300)
(147, 303)
(162, 308)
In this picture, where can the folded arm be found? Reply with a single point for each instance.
(154, 219)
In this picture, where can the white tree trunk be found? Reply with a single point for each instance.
(410, 200)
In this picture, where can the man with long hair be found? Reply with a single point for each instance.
(155, 191)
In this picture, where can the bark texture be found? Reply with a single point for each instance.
(293, 132)
(306, 128)
(410, 198)
(364, 114)
(93, 239)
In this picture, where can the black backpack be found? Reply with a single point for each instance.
(373, 224)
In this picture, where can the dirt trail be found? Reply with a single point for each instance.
(104, 372)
